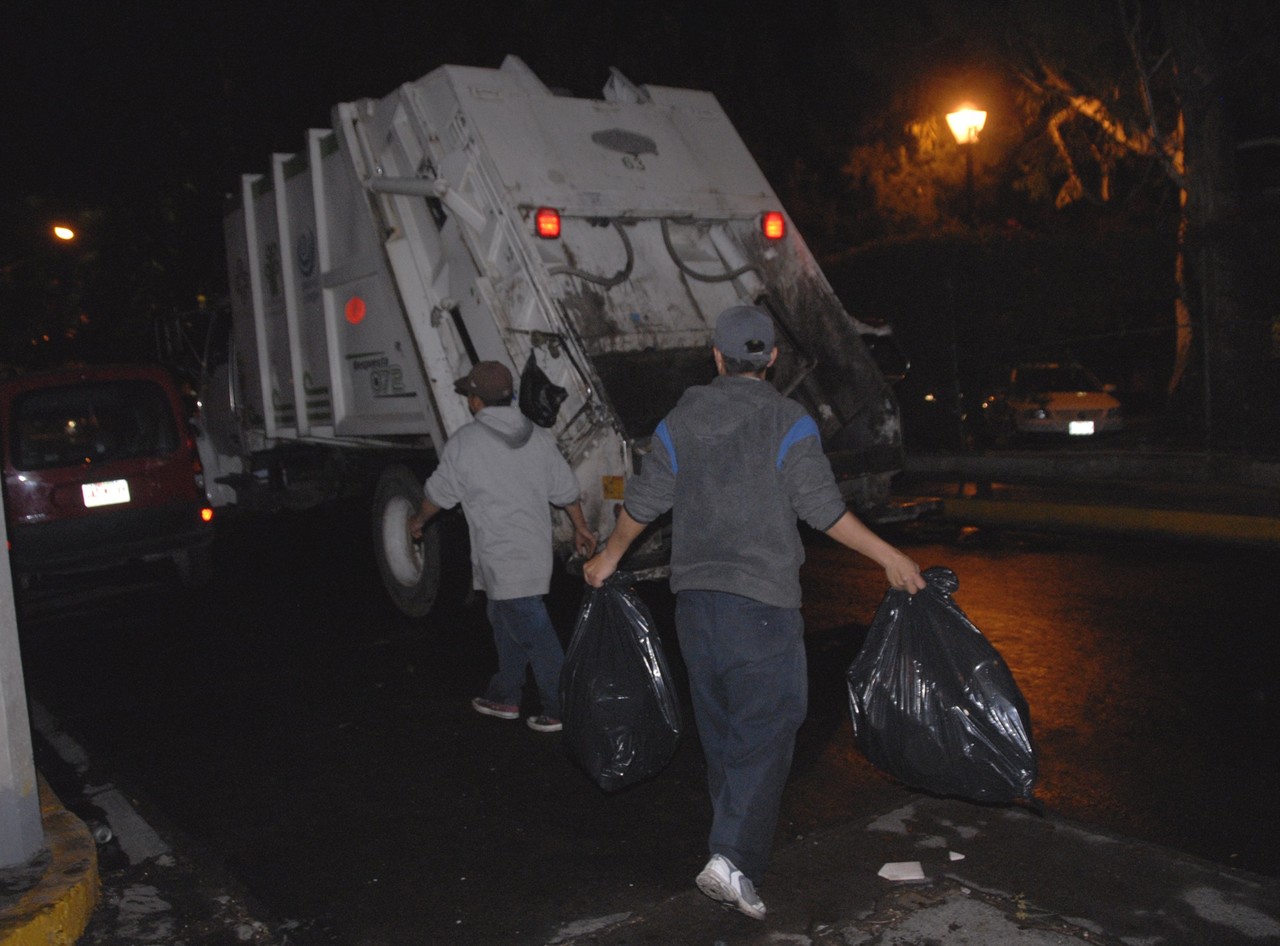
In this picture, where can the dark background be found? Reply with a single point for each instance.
(115, 103)
(133, 120)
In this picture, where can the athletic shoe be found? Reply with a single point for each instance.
(545, 723)
(490, 708)
(724, 883)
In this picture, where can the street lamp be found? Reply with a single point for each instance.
(61, 232)
(966, 124)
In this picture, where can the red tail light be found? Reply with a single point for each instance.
(773, 225)
(546, 221)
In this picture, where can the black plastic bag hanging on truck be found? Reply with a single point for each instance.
(540, 397)
(620, 712)
(934, 703)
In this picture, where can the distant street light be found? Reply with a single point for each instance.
(59, 231)
(966, 124)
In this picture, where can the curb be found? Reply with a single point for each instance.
(55, 911)
(1223, 527)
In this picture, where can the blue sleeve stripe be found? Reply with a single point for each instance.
(663, 434)
(806, 426)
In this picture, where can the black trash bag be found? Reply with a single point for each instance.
(540, 397)
(934, 704)
(620, 713)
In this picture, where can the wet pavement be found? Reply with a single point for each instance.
(989, 876)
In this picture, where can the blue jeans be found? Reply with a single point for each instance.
(524, 636)
(749, 682)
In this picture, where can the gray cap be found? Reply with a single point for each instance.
(744, 332)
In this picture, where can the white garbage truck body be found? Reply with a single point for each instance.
(373, 268)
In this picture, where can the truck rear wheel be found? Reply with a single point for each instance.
(410, 569)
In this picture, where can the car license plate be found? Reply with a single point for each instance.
(1080, 428)
(108, 493)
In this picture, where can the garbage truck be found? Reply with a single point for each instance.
(478, 214)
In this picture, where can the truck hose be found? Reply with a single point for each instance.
(694, 274)
(607, 281)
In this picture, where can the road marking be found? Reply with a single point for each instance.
(138, 840)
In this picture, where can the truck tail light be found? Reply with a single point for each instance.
(546, 221)
(773, 225)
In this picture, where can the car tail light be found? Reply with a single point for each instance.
(773, 225)
(546, 221)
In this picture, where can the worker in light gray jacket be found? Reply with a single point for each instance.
(507, 473)
(737, 463)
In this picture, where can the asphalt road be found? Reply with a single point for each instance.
(307, 753)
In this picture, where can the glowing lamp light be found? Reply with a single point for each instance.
(206, 514)
(966, 124)
(63, 232)
(774, 225)
(546, 222)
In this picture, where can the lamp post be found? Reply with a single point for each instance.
(966, 124)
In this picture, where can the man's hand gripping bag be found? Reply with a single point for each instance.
(621, 716)
(934, 704)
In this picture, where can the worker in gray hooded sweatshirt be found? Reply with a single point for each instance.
(737, 463)
(507, 473)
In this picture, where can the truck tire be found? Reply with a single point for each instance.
(410, 570)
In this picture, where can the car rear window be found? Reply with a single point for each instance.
(91, 423)
(1056, 378)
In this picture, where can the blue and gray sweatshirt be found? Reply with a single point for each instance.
(737, 463)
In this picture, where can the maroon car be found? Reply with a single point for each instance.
(100, 470)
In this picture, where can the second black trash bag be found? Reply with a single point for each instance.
(540, 397)
(621, 716)
(934, 704)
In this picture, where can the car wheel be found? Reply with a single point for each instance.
(410, 569)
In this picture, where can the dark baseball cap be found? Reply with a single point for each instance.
(745, 332)
(488, 380)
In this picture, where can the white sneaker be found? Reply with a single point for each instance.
(723, 882)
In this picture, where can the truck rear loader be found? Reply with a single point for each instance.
(475, 214)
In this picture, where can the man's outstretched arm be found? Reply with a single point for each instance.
(605, 563)
(902, 572)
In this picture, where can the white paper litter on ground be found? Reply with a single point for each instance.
(952, 855)
(902, 870)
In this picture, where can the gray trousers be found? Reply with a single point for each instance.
(750, 690)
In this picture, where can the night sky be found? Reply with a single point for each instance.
(104, 99)
(124, 106)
